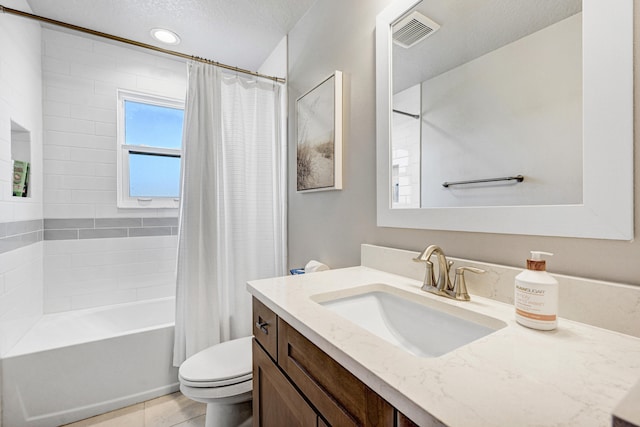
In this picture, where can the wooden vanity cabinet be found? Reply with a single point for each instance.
(299, 385)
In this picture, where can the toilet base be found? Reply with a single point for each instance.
(228, 414)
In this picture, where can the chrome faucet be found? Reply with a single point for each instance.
(442, 286)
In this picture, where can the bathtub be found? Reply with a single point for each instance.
(78, 364)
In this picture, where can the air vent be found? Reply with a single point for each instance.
(413, 29)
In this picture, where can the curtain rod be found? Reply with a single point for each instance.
(5, 9)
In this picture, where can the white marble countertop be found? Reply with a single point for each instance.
(573, 376)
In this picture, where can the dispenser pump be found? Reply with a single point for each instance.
(536, 263)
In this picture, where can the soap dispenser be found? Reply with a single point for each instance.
(536, 295)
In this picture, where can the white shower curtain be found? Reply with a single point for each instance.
(232, 207)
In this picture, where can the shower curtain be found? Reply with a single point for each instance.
(232, 207)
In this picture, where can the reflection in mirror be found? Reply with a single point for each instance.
(485, 89)
(460, 108)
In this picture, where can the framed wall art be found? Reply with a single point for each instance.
(319, 136)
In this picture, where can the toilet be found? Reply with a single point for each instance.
(221, 377)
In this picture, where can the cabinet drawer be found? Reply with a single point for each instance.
(265, 328)
(340, 398)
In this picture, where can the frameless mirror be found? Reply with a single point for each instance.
(506, 116)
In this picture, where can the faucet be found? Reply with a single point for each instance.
(442, 286)
(430, 282)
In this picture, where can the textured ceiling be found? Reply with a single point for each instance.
(240, 33)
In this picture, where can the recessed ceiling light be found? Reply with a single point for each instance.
(165, 36)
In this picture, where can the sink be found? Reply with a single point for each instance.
(418, 324)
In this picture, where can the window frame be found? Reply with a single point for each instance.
(124, 199)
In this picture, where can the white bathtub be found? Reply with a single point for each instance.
(77, 364)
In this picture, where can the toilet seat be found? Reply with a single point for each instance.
(221, 365)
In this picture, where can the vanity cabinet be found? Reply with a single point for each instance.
(296, 383)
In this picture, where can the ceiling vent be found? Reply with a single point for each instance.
(412, 29)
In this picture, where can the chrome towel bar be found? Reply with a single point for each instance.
(518, 178)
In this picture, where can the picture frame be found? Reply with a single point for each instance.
(319, 136)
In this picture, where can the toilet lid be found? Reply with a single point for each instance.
(222, 364)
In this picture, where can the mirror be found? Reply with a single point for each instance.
(469, 106)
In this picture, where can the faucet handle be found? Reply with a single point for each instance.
(460, 285)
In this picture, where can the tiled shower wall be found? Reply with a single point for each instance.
(95, 253)
(92, 262)
(21, 249)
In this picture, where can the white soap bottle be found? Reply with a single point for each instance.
(536, 295)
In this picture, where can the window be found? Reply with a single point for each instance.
(149, 149)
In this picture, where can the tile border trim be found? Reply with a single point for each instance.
(108, 228)
(17, 234)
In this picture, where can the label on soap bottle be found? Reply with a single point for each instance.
(536, 305)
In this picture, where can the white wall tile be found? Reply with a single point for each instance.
(54, 305)
(103, 298)
(56, 39)
(69, 210)
(56, 152)
(21, 300)
(79, 182)
(153, 292)
(81, 141)
(93, 156)
(67, 124)
(56, 109)
(6, 207)
(54, 65)
(105, 170)
(104, 115)
(67, 82)
(60, 168)
(106, 129)
(57, 196)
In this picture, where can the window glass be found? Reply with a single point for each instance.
(153, 125)
(154, 175)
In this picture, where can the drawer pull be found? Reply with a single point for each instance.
(263, 327)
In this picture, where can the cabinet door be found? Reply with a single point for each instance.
(276, 403)
(339, 397)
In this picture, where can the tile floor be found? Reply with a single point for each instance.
(172, 410)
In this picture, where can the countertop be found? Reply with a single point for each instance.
(572, 376)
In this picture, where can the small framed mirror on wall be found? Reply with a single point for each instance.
(506, 116)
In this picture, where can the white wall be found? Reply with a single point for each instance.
(276, 63)
(520, 114)
(80, 78)
(330, 226)
(20, 101)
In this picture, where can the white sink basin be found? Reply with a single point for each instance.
(420, 325)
